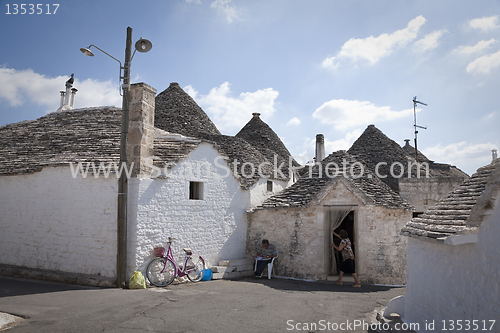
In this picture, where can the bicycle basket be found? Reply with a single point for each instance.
(159, 251)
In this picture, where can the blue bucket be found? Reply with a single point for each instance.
(208, 275)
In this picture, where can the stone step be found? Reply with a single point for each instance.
(241, 268)
(224, 269)
(234, 268)
(231, 275)
(237, 262)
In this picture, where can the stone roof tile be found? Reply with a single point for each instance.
(374, 147)
(452, 215)
(177, 112)
(80, 135)
(311, 187)
(263, 138)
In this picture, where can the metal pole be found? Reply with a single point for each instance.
(123, 181)
(415, 122)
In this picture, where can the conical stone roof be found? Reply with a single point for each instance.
(374, 147)
(263, 138)
(177, 112)
(410, 151)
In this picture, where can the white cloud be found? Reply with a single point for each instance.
(293, 122)
(25, 86)
(343, 114)
(342, 144)
(484, 64)
(230, 113)
(490, 116)
(430, 41)
(479, 48)
(191, 91)
(464, 155)
(484, 23)
(230, 12)
(197, 2)
(372, 49)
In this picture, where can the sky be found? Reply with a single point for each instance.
(308, 67)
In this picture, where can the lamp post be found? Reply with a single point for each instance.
(142, 45)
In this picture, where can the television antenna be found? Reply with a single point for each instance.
(415, 102)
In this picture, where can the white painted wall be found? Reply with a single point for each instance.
(214, 227)
(259, 192)
(50, 220)
(459, 282)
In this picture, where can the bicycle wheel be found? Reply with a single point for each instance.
(161, 272)
(196, 268)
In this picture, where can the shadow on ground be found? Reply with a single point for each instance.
(300, 285)
(19, 287)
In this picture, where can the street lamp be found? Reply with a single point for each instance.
(142, 45)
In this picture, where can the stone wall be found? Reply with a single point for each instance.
(140, 136)
(460, 282)
(423, 193)
(50, 220)
(300, 235)
(381, 249)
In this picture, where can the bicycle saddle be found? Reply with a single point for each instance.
(188, 251)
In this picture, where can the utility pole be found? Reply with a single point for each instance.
(123, 181)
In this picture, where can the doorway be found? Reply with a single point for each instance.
(334, 259)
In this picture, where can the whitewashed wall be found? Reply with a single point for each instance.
(259, 192)
(460, 282)
(49, 220)
(214, 227)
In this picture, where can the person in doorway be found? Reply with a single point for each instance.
(265, 253)
(347, 264)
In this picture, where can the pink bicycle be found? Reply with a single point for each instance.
(163, 269)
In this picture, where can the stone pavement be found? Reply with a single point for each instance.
(245, 305)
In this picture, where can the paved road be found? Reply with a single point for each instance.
(246, 305)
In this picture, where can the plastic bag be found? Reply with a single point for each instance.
(137, 281)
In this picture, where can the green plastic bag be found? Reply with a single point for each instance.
(137, 281)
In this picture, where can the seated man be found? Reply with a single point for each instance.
(264, 255)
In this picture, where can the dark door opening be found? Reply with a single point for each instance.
(347, 225)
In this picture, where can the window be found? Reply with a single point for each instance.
(195, 190)
(269, 186)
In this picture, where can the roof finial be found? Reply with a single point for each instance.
(256, 114)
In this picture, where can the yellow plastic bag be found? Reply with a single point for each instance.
(137, 281)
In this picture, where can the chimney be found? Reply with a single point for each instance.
(320, 147)
(494, 155)
(72, 100)
(140, 137)
(62, 98)
(65, 95)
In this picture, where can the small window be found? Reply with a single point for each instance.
(195, 190)
(269, 186)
